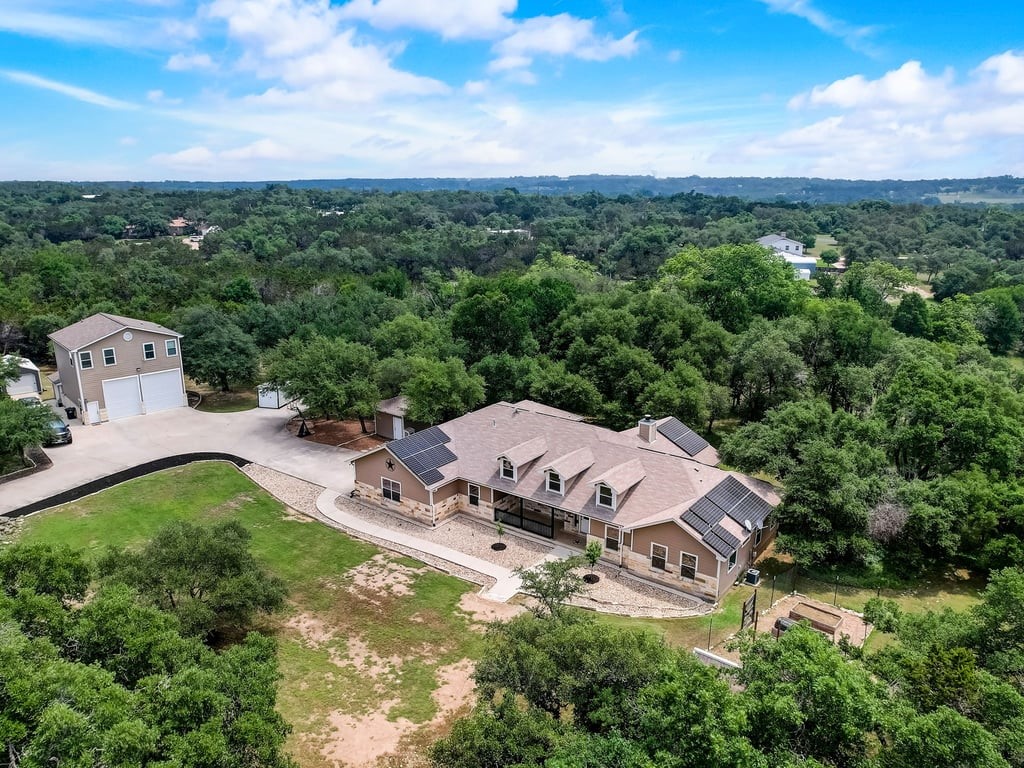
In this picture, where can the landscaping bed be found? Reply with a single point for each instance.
(348, 434)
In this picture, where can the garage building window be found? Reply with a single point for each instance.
(85, 360)
(171, 345)
(149, 351)
(109, 357)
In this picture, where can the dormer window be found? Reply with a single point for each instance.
(507, 469)
(605, 496)
(554, 482)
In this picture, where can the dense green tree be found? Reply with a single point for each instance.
(331, 377)
(21, 425)
(439, 390)
(219, 353)
(204, 575)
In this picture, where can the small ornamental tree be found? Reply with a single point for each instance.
(552, 584)
(592, 554)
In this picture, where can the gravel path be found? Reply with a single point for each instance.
(616, 592)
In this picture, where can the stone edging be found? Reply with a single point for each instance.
(39, 459)
(103, 483)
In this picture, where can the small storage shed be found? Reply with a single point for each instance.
(269, 397)
(28, 383)
(389, 419)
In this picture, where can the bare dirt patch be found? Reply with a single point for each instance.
(483, 611)
(382, 575)
(374, 740)
(365, 660)
(347, 433)
(313, 631)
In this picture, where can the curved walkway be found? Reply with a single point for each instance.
(506, 585)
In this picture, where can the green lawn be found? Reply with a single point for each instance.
(228, 402)
(400, 636)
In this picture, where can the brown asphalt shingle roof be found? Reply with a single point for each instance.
(99, 326)
(669, 485)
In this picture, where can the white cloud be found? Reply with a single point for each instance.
(855, 37)
(183, 62)
(908, 86)
(475, 87)
(561, 35)
(128, 141)
(66, 27)
(302, 47)
(193, 156)
(1006, 72)
(159, 97)
(452, 19)
(72, 91)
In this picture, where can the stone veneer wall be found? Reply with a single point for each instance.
(704, 587)
(408, 507)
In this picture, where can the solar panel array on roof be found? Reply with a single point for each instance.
(418, 441)
(732, 499)
(423, 452)
(720, 540)
(682, 436)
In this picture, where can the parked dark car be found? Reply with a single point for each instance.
(60, 433)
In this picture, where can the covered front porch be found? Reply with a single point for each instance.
(540, 519)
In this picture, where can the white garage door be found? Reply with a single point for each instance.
(162, 390)
(121, 397)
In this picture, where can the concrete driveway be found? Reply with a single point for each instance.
(259, 435)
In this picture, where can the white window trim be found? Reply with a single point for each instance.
(103, 354)
(168, 346)
(470, 494)
(696, 560)
(561, 483)
(81, 360)
(618, 540)
(502, 462)
(597, 496)
(758, 535)
(733, 559)
(665, 558)
(151, 345)
(392, 484)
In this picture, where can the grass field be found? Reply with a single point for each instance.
(228, 402)
(364, 635)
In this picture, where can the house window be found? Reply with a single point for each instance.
(149, 351)
(508, 470)
(605, 496)
(554, 482)
(390, 489)
(757, 536)
(474, 495)
(109, 358)
(171, 345)
(85, 360)
(659, 556)
(612, 537)
(687, 565)
(732, 560)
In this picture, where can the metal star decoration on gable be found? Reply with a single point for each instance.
(390, 465)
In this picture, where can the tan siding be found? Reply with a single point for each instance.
(677, 540)
(453, 488)
(68, 377)
(129, 358)
(371, 468)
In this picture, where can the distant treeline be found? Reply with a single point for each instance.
(1006, 189)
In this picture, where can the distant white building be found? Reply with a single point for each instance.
(793, 252)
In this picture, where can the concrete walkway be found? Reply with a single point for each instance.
(507, 584)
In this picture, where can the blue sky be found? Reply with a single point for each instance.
(282, 89)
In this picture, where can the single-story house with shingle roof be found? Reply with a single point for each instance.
(651, 495)
(112, 367)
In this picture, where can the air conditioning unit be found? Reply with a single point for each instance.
(753, 577)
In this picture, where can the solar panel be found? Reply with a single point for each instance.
(431, 476)
(423, 452)
(418, 441)
(693, 520)
(707, 511)
(717, 543)
(728, 493)
(682, 436)
(753, 508)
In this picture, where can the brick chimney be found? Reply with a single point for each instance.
(648, 429)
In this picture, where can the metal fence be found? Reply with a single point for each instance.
(827, 589)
